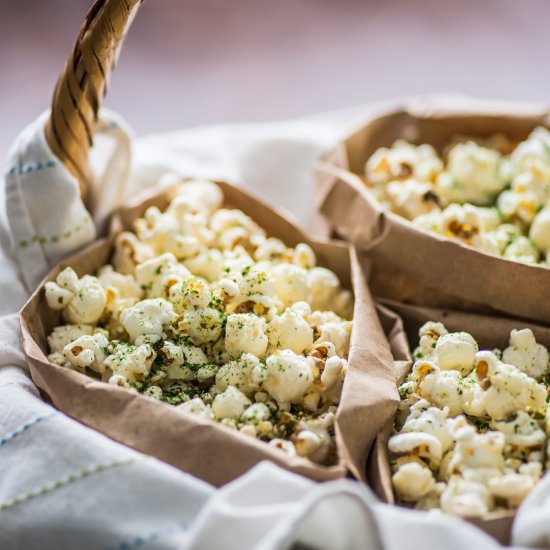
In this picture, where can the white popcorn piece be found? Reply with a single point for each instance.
(148, 317)
(131, 362)
(208, 263)
(183, 360)
(476, 450)
(412, 198)
(256, 413)
(245, 374)
(65, 334)
(426, 419)
(230, 404)
(125, 285)
(291, 330)
(304, 256)
(456, 351)
(291, 283)
(81, 299)
(196, 407)
(88, 351)
(288, 376)
(512, 488)
(129, 252)
(521, 249)
(525, 354)
(524, 437)
(245, 333)
(539, 232)
(429, 333)
(473, 175)
(312, 438)
(508, 389)
(197, 196)
(403, 160)
(323, 287)
(423, 445)
(157, 275)
(443, 389)
(412, 481)
(283, 445)
(465, 498)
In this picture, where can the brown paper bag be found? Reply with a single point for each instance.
(426, 268)
(206, 449)
(401, 323)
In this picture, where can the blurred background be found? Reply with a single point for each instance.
(195, 62)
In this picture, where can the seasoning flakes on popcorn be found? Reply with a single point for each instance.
(491, 195)
(471, 432)
(202, 310)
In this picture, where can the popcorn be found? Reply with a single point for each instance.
(65, 334)
(525, 354)
(129, 252)
(508, 389)
(403, 160)
(82, 300)
(412, 198)
(88, 351)
(197, 407)
(423, 445)
(131, 362)
(431, 420)
(312, 439)
(466, 498)
(230, 404)
(473, 175)
(125, 286)
(470, 465)
(202, 310)
(524, 437)
(291, 283)
(245, 333)
(157, 275)
(183, 361)
(291, 330)
(539, 233)
(456, 351)
(245, 374)
(412, 481)
(148, 317)
(486, 196)
(512, 488)
(303, 256)
(521, 249)
(288, 376)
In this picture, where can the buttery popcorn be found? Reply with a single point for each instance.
(471, 432)
(202, 310)
(496, 202)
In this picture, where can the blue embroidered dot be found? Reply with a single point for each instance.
(26, 426)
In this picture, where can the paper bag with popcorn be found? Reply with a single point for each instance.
(470, 434)
(213, 358)
(448, 196)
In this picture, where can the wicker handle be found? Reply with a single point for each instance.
(83, 83)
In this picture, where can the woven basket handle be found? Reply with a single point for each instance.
(83, 83)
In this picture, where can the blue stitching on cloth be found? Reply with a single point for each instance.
(25, 427)
(32, 167)
(151, 537)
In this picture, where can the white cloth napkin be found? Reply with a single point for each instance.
(63, 485)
